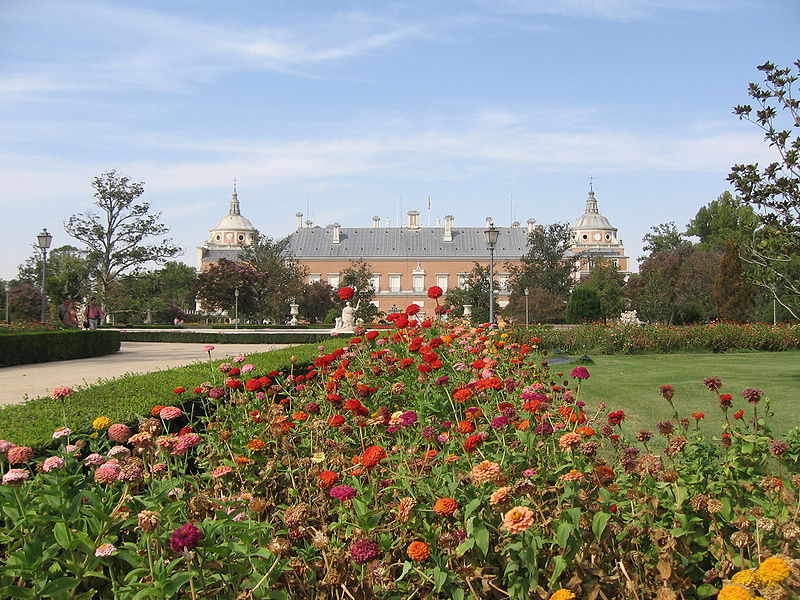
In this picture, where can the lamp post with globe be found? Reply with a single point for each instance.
(44, 239)
(491, 234)
(236, 309)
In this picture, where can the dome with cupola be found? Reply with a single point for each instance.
(592, 227)
(228, 236)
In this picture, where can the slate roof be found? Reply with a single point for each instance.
(404, 242)
(213, 255)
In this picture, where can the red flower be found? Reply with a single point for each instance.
(252, 385)
(346, 293)
(372, 456)
(327, 479)
(178, 390)
(336, 421)
(412, 309)
(435, 292)
(616, 417)
(738, 414)
(472, 442)
(401, 321)
(371, 335)
(699, 415)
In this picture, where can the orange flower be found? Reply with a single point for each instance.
(445, 507)
(372, 456)
(585, 431)
(156, 409)
(327, 479)
(255, 445)
(418, 551)
(466, 426)
(300, 416)
(568, 441)
(243, 460)
(499, 496)
(404, 509)
(522, 425)
(462, 395)
(485, 472)
(518, 519)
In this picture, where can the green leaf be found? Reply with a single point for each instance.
(59, 586)
(14, 591)
(559, 564)
(471, 507)
(465, 546)
(481, 535)
(439, 579)
(599, 522)
(458, 594)
(406, 568)
(61, 534)
(706, 590)
(563, 533)
(176, 582)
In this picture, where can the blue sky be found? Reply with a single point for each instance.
(346, 110)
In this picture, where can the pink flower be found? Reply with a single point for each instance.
(119, 432)
(104, 550)
(364, 550)
(247, 368)
(185, 538)
(238, 359)
(342, 492)
(19, 455)
(94, 459)
(61, 393)
(169, 413)
(107, 473)
(52, 463)
(15, 477)
(580, 373)
(208, 348)
(221, 471)
(5, 446)
(61, 432)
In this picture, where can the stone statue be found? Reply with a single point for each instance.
(347, 322)
(629, 317)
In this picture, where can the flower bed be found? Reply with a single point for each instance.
(631, 339)
(422, 462)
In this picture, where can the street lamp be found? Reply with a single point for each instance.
(236, 314)
(8, 291)
(527, 293)
(491, 239)
(44, 239)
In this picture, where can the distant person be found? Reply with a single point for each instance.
(93, 314)
(63, 311)
(72, 314)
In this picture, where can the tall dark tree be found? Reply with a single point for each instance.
(734, 295)
(279, 276)
(116, 240)
(723, 219)
(316, 301)
(775, 189)
(215, 287)
(545, 272)
(159, 295)
(358, 275)
(584, 305)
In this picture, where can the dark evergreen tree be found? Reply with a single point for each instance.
(584, 305)
(734, 295)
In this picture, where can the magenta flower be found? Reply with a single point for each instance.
(364, 550)
(580, 373)
(185, 538)
(342, 492)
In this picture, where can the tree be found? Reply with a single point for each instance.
(675, 286)
(116, 238)
(734, 295)
(664, 237)
(25, 302)
(775, 189)
(161, 295)
(546, 273)
(725, 218)
(474, 291)
(68, 273)
(215, 287)
(317, 301)
(358, 275)
(584, 305)
(609, 284)
(278, 277)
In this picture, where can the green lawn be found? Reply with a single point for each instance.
(631, 383)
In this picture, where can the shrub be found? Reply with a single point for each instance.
(584, 305)
(46, 346)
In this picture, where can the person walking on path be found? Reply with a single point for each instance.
(93, 314)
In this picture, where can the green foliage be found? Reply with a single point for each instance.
(68, 273)
(216, 288)
(358, 275)
(609, 284)
(723, 219)
(46, 346)
(159, 295)
(734, 295)
(473, 291)
(317, 301)
(775, 188)
(664, 237)
(584, 305)
(277, 277)
(116, 239)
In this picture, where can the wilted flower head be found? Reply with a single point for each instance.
(712, 383)
(104, 550)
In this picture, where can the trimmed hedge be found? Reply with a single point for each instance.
(596, 338)
(210, 337)
(46, 346)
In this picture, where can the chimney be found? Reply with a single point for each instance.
(299, 220)
(337, 233)
(413, 222)
(515, 225)
(448, 228)
(531, 223)
(489, 221)
(309, 223)
(376, 222)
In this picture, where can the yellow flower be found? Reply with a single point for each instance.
(773, 570)
(734, 592)
(101, 423)
(318, 457)
(748, 577)
(563, 595)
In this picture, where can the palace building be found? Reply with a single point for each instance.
(407, 259)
